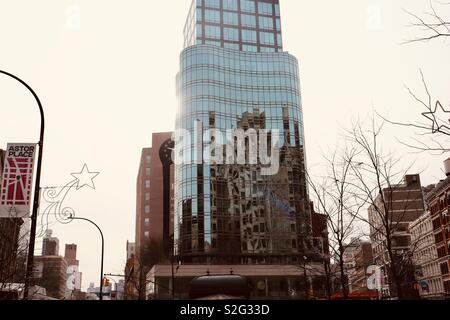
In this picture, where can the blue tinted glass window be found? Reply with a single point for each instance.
(230, 45)
(249, 48)
(199, 14)
(278, 24)
(212, 16)
(265, 23)
(249, 36)
(248, 6)
(212, 32)
(231, 34)
(248, 20)
(266, 49)
(199, 30)
(277, 10)
(279, 40)
(212, 3)
(265, 8)
(230, 18)
(267, 38)
(230, 5)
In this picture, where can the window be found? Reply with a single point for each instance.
(234, 46)
(147, 222)
(147, 209)
(279, 40)
(265, 8)
(148, 159)
(212, 4)
(248, 20)
(265, 23)
(267, 49)
(212, 32)
(231, 34)
(147, 184)
(267, 38)
(248, 6)
(248, 36)
(214, 43)
(199, 30)
(249, 48)
(212, 16)
(230, 18)
(147, 171)
(199, 14)
(278, 24)
(277, 10)
(230, 5)
(444, 268)
(147, 197)
(147, 234)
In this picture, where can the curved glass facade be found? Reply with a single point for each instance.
(231, 212)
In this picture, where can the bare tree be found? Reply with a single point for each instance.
(335, 198)
(432, 132)
(376, 176)
(138, 266)
(13, 255)
(432, 24)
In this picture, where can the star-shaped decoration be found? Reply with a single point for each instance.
(85, 178)
(436, 116)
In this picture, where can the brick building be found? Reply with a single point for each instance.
(149, 199)
(425, 258)
(405, 204)
(438, 201)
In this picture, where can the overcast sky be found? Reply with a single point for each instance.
(108, 82)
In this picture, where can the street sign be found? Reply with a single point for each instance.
(15, 193)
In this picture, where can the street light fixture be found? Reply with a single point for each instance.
(37, 187)
(103, 250)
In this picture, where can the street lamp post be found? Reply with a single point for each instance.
(305, 274)
(103, 251)
(37, 187)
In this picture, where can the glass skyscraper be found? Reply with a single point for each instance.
(235, 75)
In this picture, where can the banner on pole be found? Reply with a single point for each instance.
(17, 179)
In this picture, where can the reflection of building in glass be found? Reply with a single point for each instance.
(234, 75)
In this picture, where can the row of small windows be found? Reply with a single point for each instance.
(199, 109)
(257, 96)
(232, 18)
(232, 34)
(239, 79)
(267, 66)
(246, 6)
(235, 46)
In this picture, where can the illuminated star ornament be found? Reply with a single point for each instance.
(434, 117)
(85, 178)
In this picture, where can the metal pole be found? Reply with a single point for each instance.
(305, 274)
(173, 277)
(37, 188)
(103, 252)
